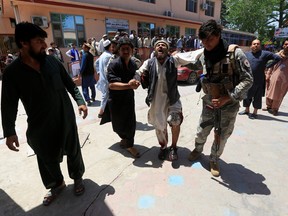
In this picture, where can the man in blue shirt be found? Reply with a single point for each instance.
(258, 60)
(73, 53)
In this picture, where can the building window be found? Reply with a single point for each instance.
(190, 32)
(173, 31)
(191, 5)
(12, 22)
(68, 29)
(210, 8)
(146, 29)
(149, 1)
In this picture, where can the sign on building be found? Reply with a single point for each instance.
(281, 33)
(117, 24)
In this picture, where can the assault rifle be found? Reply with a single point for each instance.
(216, 121)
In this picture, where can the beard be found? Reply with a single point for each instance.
(162, 55)
(40, 56)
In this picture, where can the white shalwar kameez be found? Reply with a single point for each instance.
(160, 108)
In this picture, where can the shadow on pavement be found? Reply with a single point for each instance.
(150, 159)
(183, 154)
(92, 202)
(237, 178)
(270, 117)
(8, 206)
(143, 127)
(282, 114)
(116, 147)
(240, 179)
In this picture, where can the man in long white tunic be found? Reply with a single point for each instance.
(159, 75)
(101, 67)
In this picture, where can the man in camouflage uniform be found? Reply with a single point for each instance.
(227, 78)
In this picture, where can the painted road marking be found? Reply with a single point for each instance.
(176, 180)
(146, 202)
(197, 165)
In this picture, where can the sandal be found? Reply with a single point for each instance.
(266, 109)
(79, 187)
(53, 193)
(133, 152)
(244, 112)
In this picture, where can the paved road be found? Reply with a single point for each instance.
(252, 182)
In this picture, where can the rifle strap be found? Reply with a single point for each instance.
(231, 53)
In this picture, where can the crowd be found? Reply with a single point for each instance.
(229, 76)
(181, 44)
(139, 41)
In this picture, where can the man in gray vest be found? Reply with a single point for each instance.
(159, 75)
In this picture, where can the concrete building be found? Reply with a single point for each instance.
(73, 21)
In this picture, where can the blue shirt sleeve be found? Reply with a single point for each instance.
(83, 63)
(271, 56)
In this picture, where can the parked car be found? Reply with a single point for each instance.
(189, 73)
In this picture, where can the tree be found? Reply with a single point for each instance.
(280, 14)
(254, 16)
(223, 12)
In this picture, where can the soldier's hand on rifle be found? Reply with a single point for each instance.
(219, 102)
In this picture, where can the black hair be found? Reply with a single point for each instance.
(124, 41)
(286, 39)
(26, 31)
(123, 33)
(114, 41)
(209, 28)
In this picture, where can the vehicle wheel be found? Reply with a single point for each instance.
(192, 78)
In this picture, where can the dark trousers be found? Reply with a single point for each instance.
(123, 119)
(254, 96)
(88, 82)
(51, 174)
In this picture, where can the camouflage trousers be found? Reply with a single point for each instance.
(228, 118)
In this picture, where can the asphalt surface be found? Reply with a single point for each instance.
(253, 167)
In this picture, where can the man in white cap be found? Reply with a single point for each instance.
(159, 75)
(9, 59)
(101, 46)
(53, 50)
(101, 68)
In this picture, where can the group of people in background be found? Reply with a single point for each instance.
(277, 81)
(228, 75)
(264, 64)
